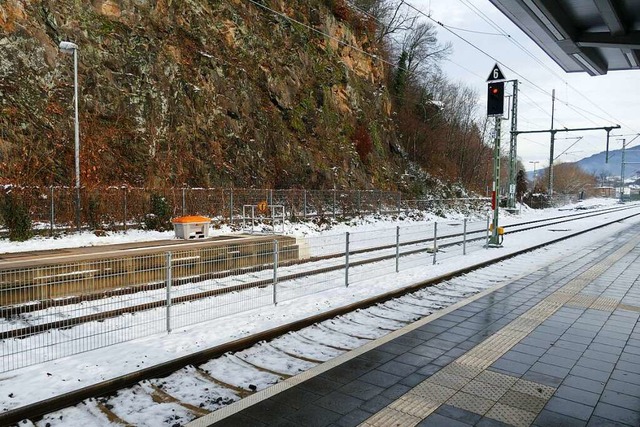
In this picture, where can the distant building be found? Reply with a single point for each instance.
(605, 191)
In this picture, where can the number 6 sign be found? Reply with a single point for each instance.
(496, 74)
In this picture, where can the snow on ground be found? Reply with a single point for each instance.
(301, 229)
(27, 385)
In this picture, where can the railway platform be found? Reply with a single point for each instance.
(557, 347)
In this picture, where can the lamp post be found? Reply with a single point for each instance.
(534, 170)
(72, 48)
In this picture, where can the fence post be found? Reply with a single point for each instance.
(486, 245)
(346, 261)
(464, 237)
(168, 286)
(304, 198)
(124, 220)
(397, 248)
(231, 207)
(275, 271)
(398, 203)
(52, 217)
(253, 217)
(183, 200)
(359, 202)
(273, 221)
(334, 203)
(435, 240)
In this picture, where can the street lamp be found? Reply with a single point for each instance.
(72, 48)
(534, 170)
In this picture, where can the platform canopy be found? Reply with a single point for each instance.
(595, 36)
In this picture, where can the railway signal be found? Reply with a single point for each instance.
(495, 99)
(495, 108)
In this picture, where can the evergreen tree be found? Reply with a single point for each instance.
(400, 78)
(521, 184)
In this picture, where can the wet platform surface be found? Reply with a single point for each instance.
(558, 347)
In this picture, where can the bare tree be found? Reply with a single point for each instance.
(569, 178)
(392, 16)
(423, 52)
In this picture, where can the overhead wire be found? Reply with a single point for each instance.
(513, 40)
(475, 47)
(533, 141)
(568, 148)
(534, 85)
(484, 17)
(474, 31)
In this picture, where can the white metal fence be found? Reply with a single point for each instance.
(53, 311)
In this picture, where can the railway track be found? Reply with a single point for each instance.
(35, 316)
(184, 389)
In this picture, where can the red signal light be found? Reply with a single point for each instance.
(495, 99)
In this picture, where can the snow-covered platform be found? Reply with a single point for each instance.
(63, 273)
(560, 346)
(34, 257)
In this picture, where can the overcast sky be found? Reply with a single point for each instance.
(600, 100)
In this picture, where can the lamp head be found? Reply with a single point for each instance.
(67, 47)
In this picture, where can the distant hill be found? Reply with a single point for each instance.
(596, 164)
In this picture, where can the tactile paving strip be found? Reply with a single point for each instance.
(415, 405)
(497, 379)
(485, 390)
(533, 389)
(523, 324)
(599, 303)
(391, 417)
(465, 371)
(510, 415)
(449, 380)
(582, 301)
(523, 401)
(432, 391)
(471, 403)
(605, 304)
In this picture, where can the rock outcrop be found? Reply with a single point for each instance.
(191, 92)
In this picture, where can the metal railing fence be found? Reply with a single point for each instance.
(53, 208)
(54, 311)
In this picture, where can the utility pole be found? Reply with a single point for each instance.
(513, 148)
(553, 137)
(622, 172)
(494, 240)
(622, 165)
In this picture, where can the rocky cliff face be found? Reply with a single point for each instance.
(195, 92)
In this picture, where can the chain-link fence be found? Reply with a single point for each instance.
(53, 209)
